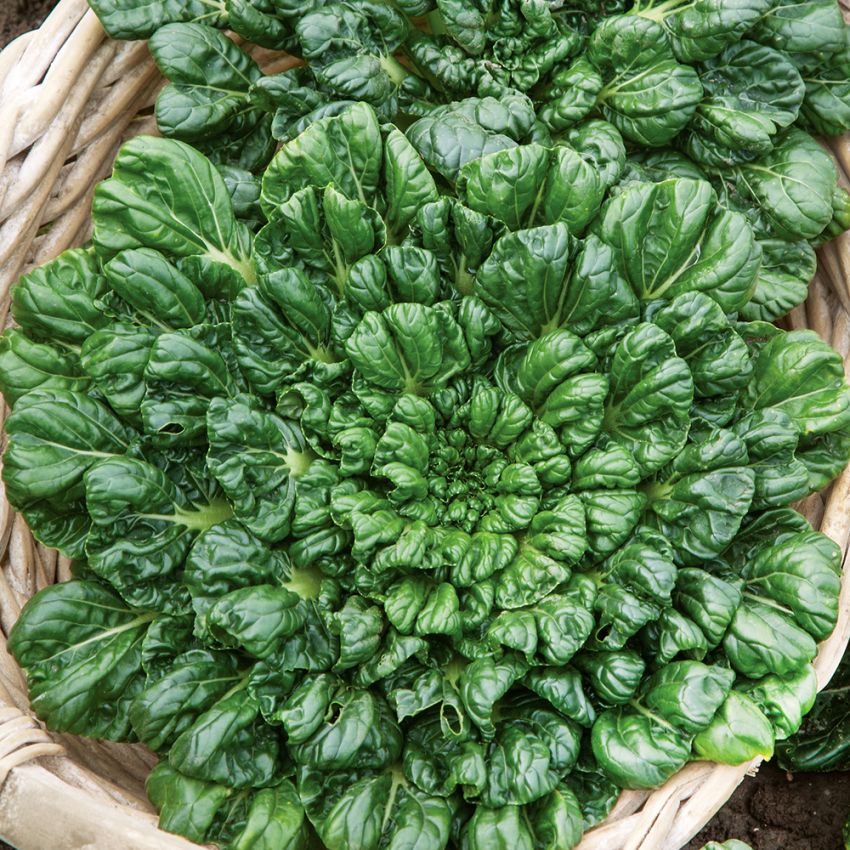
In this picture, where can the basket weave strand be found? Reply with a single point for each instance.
(69, 97)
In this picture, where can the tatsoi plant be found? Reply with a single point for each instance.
(414, 519)
(732, 89)
(729, 73)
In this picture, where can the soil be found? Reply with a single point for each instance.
(771, 811)
(18, 16)
(778, 811)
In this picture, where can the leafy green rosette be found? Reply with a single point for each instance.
(412, 519)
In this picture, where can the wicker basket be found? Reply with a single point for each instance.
(69, 97)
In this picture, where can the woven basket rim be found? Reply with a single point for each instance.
(69, 96)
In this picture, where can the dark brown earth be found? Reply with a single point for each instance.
(777, 811)
(18, 16)
(772, 811)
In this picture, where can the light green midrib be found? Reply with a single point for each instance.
(305, 581)
(147, 617)
(663, 10)
(215, 512)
